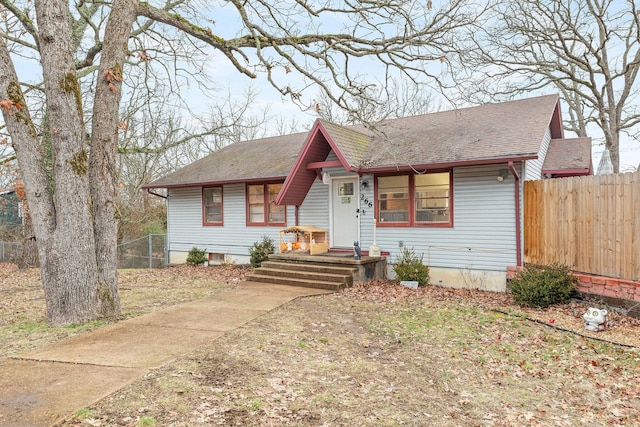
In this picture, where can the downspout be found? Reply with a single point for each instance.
(514, 172)
(297, 215)
(156, 194)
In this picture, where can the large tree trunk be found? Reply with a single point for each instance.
(104, 146)
(62, 225)
(69, 267)
(29, 253)
(75, 230)
(25, 142)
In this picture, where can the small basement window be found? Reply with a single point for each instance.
(216, 259)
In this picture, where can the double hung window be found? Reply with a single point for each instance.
(414, 199)
(261, 209)
(212, 206)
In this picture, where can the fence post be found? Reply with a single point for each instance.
(150, 240)
(165, 249)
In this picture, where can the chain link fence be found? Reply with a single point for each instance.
(10, 251)
(145, 252)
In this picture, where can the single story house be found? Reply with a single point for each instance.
(449, 185)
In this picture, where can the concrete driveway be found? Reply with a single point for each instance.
(45, 385)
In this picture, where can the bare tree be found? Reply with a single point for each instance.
(403, 99)
(295, 46)
(588, 50)
(158, 139)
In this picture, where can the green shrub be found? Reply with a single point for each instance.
(196, 256)
(154, 227)
(260, 251)
(542, 286)
(409, 267)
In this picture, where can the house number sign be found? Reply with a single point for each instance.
(366, 201)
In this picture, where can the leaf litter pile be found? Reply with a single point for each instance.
(377, 355)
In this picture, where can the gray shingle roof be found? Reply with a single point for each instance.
(247, 160)
(490, 131)
(351, 141)
(513, 129)
(568, 154)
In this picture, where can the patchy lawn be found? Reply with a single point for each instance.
(377, 355)
(22, 308)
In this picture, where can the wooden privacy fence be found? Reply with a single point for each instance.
(591, 224)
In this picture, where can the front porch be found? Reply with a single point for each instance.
(331, 270)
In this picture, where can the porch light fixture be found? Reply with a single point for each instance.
(364, 184)
(504, 174)
(326, 178)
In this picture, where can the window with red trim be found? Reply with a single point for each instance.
(393, 198)
(261, 209)
(414, 199)
(212, 206)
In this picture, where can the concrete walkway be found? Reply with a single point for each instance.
(42, 386)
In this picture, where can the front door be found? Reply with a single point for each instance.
(344, 212)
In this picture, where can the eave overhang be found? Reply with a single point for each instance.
(566, 172)
(447, 165)
(220, 182)
(555, 125)
(311, 159)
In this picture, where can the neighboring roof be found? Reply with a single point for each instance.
(266, 158)
(568, 157)
(490, 133)
(605, 166)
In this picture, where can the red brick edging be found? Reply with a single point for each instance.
(599, 285)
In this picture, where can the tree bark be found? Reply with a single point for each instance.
(74, 236)
(104, 146)
(69, 267)
(29, 253)
(613, 144)
(25, 143)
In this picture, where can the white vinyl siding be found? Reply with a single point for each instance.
(315, 207)
(184, 217)
(367, 211)
(483, 235)
(533, 168)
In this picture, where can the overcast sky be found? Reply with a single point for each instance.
(228, 78)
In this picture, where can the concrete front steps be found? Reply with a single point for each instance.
(309, 274)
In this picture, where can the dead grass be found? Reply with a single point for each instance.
(23, 323)
(343, 360)
(377, 355)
